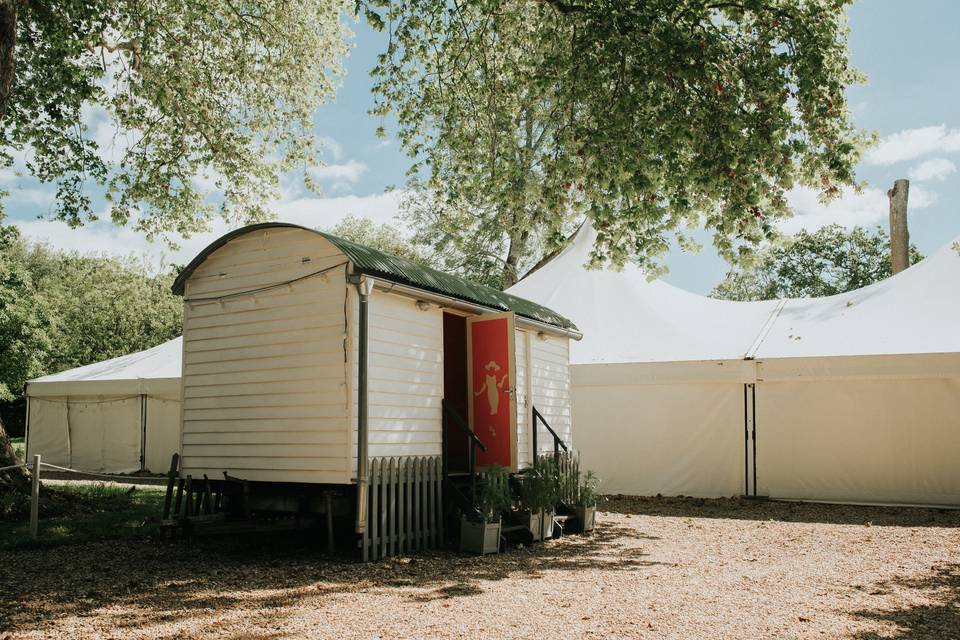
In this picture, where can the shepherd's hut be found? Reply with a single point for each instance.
(314, 366)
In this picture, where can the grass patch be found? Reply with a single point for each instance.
(19, 447)
(75, 513)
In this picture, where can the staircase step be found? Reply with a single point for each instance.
(504, 529)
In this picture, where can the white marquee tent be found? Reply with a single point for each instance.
(117, 416)
(850, 398)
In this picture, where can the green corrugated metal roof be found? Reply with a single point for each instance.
(378, 264)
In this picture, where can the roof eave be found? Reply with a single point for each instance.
(393, 286)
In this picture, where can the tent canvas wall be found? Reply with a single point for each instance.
(852, 398)
(117, 416)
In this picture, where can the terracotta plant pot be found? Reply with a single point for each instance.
(479, 537)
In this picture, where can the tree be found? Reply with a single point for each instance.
(104, 307)
(194, 90)
(645, 116)
(63, 310)
(23, 341)
(15, 478)
(825, 262)
(25, 320)
(384, 237)
(465, 240)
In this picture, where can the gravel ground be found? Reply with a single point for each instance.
(655, 568)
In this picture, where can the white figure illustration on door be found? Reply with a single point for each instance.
(492, 386)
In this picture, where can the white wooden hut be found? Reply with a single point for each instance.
(304, 353)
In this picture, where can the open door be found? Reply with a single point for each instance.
(455, 390)
(491, 382)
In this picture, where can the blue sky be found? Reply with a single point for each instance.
(910, 53)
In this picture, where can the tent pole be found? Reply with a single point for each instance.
(26, 426)
(143, 432)
(746, 445)
(753, 416)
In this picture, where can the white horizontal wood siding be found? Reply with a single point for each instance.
(404, 377)
(265, 374)
(524, 412)
(550, 387)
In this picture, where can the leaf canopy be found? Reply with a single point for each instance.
(649, 117)
(160, 102)
(814, 264)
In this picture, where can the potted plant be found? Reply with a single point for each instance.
(549, 470)
(533, 499)
(480, 533)
(585, 508)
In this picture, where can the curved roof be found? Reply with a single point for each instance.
(370, 261)
(626, 318)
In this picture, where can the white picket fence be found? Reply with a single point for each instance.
(405, 506)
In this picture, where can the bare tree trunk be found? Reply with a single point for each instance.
(511, 274)
(17, 479)
(899, 236)
(518, 239)
(547, 257)
(8, 46)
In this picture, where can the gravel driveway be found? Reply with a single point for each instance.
(653, 569)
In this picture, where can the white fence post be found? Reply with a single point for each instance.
(35, 499)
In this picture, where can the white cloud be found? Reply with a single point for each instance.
(933, 169)
(38, 197)
(112, 141)
(913, 143)
(329, 144)
(103, 237)
(349, 171)
(869, 207)
(327, 212)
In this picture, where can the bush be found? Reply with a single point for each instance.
(539, 486)
(493, 493)
(587, 490)
(14, 505)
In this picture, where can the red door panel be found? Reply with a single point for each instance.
(492, 382)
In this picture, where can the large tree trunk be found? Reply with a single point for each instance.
(510, 274)
(8, 45)
(17, 479)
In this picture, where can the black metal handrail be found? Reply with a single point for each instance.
(473, 441)
(558, 443)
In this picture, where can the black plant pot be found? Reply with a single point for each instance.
(586, 518)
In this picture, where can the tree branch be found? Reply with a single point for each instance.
(562, 7)
(132, 46)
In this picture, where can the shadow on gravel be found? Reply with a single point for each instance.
(155, 588)
(937, 619)
(740, 509)
(609, 548)
(143, 585)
